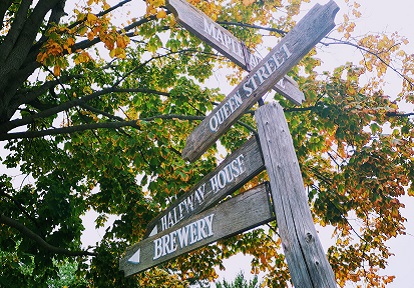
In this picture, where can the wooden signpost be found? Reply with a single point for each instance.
(288, 52)
(236, 170)
(200, 230)
(308, 265)
(192, 222)
(223, 41)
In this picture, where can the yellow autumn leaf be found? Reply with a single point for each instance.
(106, 6)
(118, 52)
(56, 70)
(83, 30)
(82, 58)
(411, 191)
(157, 3)
(248, 2)
(122, 41)
(346, 18)
(112, 53)
(161, 14)
(91, 35)
(41, 57)
(70, 41)
(151, 10)
(91, 18)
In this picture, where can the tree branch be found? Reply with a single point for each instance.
(106, 125)
(25, 97)
(4, 6)
(110, 9)
(26, 37)
(20, 207)
(88, 43)
(70, 104)
(299, 109)
(280, 31)
(97, 111)
(396, 114)
(39, 240)
(338, 41)
(15, 29)
(93, 126)
(8, 125)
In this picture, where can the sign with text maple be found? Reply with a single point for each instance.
(223, 41)
(238, 168)
(287, 53)
(200, 230)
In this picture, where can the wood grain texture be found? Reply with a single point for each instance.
(249, 155)
(226, 43)
(234, 216)
(306, 259)
(287, 53)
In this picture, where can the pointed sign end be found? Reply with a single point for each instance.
(153, 231)
(189, 153)
(135, 258)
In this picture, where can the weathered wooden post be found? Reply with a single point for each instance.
(306, 259)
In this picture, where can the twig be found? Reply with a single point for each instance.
(39, 240)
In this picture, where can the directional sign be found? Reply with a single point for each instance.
(287, 53)
(200, 230)
(230, 175)
(223, 41)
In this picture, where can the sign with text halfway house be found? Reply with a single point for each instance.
(226, 43)
(238, 168)
(287, 53)
(200, 230)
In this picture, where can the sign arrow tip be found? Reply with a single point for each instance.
(135, 258)
(153, 232)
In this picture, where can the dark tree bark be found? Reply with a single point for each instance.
(17, 46)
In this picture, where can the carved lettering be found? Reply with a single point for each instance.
(228, 174)
(225, 111)
(183, 237)
(249, 86)
(224, 39)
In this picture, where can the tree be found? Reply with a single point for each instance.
(96, 104)
(239, 282)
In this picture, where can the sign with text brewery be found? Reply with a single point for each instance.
(287, 53)
(200, 230)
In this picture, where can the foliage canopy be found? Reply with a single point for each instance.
(98, 97)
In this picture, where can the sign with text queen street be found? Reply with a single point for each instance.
(227, 44)
(287, 53)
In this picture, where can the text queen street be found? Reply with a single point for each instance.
(250, 85)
